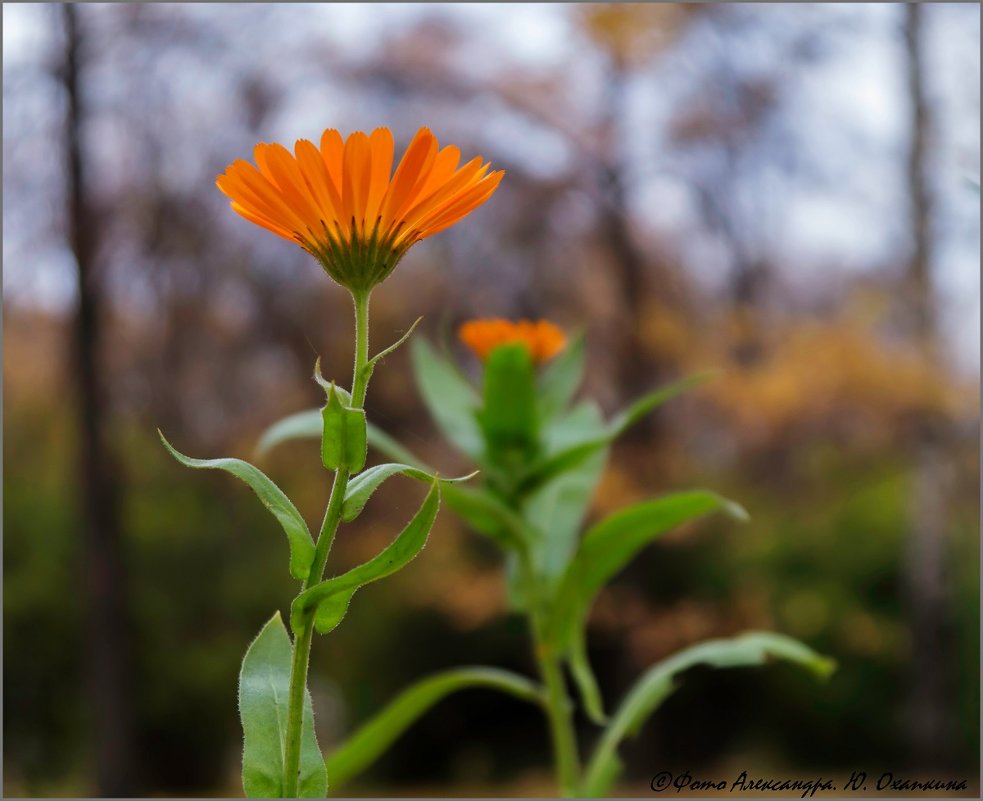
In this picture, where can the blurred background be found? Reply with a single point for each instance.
(790, 194)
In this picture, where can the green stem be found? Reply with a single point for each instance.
(329, 527)
(558, 706)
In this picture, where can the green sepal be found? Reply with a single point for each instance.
(361, 488)
(330, 598)
(343, 439)
(509, 418)
(264, 686)
(273, 498)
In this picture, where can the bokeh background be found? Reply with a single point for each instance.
(788, 193)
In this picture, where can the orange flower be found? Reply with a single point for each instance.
(342, 204)
(543, 339)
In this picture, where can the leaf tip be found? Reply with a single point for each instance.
(736, 511)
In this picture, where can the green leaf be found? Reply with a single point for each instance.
(331, 598)
(302, 425)
(361, 487)
(566, 459)
(264, 686)
(583, 676)
(752, 648)
(488, 515)
(329, 386)
(558, 507)
(608, 546)
(560, 379)
(370, 366)
(637, 410)
(509, 418)
(310, 425)
(272, 497)
(389, 447)
(450, 398)
(343, 444)
(373, 738)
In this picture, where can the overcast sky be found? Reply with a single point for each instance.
(863, 84)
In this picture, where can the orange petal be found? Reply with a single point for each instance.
(279, 167)
(416, 162)
(443, 168)
(332, 151)
(315, 173)
(463, 179)
(381, 145)
(357, 179)
(462, 205)
(258, 219)
(247, 185)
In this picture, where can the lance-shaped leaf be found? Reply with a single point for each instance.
(486, 514)
(449, 397)
(608, 546)
(343, 444)
(374, 737)
(560, 379)
(566, 459)
(583, 676)
(330, 598)
(273, 498)
(302, 425)
(752, 648)
(361, 487)
(264, 686)
(383, 353)
(558, 507)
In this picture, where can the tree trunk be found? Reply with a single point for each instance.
(929, 720)
(103, 572)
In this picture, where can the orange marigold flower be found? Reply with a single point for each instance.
(342, 203)
(543, 339)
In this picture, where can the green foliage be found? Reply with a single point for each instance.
(273, 498)
(370, 365)
(451, 400)
(559, 506)
(611, 544)
(656, 684)
(509, 418)
(264, 685)
(561, 378)
(343, 443)
(330, 598)
(374, 737)
(486, 513)
(557, 463)
(542, 460)
(361, 487)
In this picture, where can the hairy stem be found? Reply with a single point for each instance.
(329, 527)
